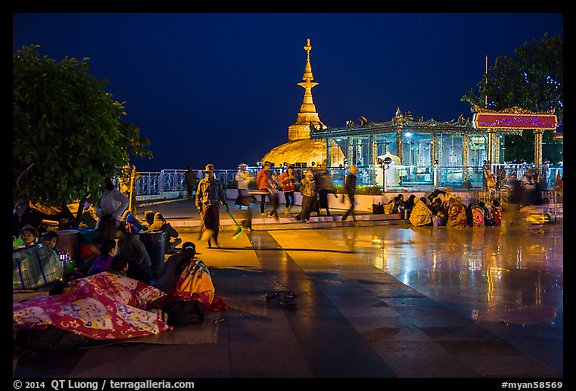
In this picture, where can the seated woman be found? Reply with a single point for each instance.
(172, 237)
(185, 277)
(456, 214)
(148, 219)
(421, 214)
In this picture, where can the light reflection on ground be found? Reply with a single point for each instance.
(485, 275)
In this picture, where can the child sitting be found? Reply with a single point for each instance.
(104, 261)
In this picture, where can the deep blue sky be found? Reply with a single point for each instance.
(222, 88)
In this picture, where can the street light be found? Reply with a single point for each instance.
(385, 163)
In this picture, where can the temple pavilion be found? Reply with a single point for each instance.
(408, 141)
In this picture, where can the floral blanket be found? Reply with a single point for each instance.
(104, 306)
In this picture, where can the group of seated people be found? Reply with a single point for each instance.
(116, 294)
(453, 213)
(112, 278)
(441, 208)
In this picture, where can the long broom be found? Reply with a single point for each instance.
(239, 231)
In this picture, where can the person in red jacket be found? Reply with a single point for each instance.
(263, 181)
(287, 181)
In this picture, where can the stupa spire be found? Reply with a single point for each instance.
(307, 115)
(308, 69)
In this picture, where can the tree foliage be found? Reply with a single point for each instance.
(68, 133)
(531, 79)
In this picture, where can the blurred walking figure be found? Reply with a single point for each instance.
(324, 188)
(209, 194)
(190, 181)
(274, 193)
(262, 181)
(350, 188)
(511, 219)
(243, 178)
(287, 180)
(308, 190)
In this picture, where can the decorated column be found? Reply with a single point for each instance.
(491, 143)
(538, 146)
(465, 149)
(400, 145)
(433, 156)
(328, 155)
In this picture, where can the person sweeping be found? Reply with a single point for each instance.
(209, 194)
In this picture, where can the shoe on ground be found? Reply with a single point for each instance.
(263, 214)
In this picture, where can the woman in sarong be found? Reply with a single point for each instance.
(456, 214)
(496, 212)
(421, 214)
(477, 216)
(185, 277)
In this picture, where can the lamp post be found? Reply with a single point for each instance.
(385, 163)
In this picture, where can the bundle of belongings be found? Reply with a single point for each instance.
(35, 267)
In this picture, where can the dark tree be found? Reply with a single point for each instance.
(68, 133)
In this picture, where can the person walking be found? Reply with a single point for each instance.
(262, 182)
(274, 193)
(243, 178)
(209, 194)
(190, 181)
(308, 190)
(324, 188)
(287, 180)
(112, 205)
(350, 188)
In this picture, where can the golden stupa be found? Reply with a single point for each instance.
(300, 148)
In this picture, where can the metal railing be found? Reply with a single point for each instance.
(397, 177)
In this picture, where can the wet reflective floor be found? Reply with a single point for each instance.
(360, 301)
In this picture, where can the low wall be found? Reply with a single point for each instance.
(363, 202)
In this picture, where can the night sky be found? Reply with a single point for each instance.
(222, 88)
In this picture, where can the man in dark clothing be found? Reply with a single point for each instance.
(190, 181)
(209, 195)
(350, 188)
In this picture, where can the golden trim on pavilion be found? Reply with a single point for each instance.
(512, 110)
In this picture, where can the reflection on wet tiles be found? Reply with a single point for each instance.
(379, 335)
(465, 333)
(420, 301)
(510, 365)
(433, 317)
(407, 359)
